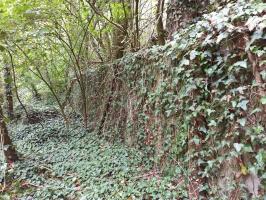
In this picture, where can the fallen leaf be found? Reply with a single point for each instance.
(243, 169)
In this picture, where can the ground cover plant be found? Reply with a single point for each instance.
(133, 99)
(70, 163)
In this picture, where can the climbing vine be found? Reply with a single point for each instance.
(203, 96)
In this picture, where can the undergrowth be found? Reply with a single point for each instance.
(60, 163)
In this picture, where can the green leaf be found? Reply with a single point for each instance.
(238, 146)
(221, 37)
(243, 104)
(184, 61)
(212, 123)
(2, 48)
(263, 100)
(234, 104)
(6, 120)
(242, 64)
(3, 34)
(256, 110)
(210, 111)
(247, 149)
(193, 54)
(196, 140)
(168, 113)
(8, 80)
(5, 197)
(210, 163)
(263, 74)
(242, 121)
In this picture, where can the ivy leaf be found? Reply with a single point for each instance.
(234, 104)
(210, 163)
(238, 146)
(221, 37)
(184, 61)
(243, 104)
(255, 111)
(260, 157)
(193, 54)
(196, 140)
(242, 121)
(263, 74)
(6, 197)
(253, 22)
(2, 48)
(256, 36)
(3, 34)
(242, 64)
(248, 149)
(168, 113)
(263, 100)
(8, 80)
(212, 123)
(210, 111)
(6, 120)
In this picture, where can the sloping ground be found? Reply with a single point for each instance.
(59, 163)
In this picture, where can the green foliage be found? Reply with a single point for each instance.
(197, 101)
(197, 89)
(25, 26)
(119, 11)
(60, 163)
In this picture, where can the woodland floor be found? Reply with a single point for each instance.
(60, 163)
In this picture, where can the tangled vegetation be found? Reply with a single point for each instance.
(178, 115)
(83, 166)
(196, 96)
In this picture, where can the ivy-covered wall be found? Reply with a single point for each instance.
(198, 102)
(181, 14)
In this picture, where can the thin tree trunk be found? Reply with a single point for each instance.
(137, 34)
(8, 91)
(6, 143)
(119, 45)
(107, 105)
(159, 24)
(119, 36)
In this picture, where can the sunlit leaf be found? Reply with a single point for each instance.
(238, 146)
(263, 100)
(241, 64)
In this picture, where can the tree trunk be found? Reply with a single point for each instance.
(119, 36)
(119, 45)
(159, 24)
(8, 91)
(135, 22)
(6, 143)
